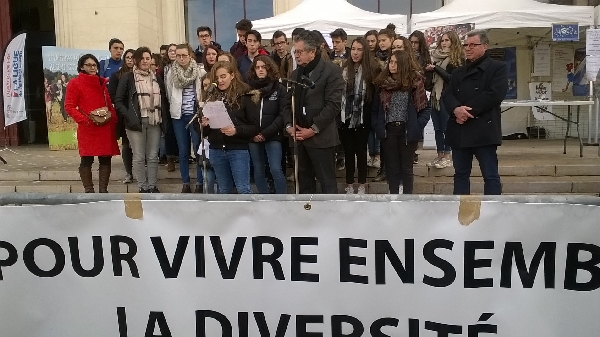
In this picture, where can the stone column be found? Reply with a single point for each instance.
(173, 21)
(282, 6)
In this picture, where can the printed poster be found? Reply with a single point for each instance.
(13, 81)
(433, 34)
(563, 72)
(541, 91)
(541, 60)
(60, 66)
(581, 85)
(509, 57)
(592, 47)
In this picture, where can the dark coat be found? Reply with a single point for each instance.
(199, 54)
(245, 119)
(322, 105)
(415, 120)
(271, 116)
(113, 84)
(128, 105)
(481, 86)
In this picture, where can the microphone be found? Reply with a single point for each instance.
(309, 83)
(211, 88)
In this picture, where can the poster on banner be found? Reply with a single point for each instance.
(60, 66)
(147, 269)
(539, 91)
(592, 51)
(563, 70)
(541, 60)
(13, 81)
(509, 57)
(433, 34)
(565, 32)
(581, 85)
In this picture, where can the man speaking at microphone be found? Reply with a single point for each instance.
(315, 109)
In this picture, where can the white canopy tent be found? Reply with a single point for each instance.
(327, 15)
(510, 23)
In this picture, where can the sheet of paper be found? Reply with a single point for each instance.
(541, 91)
(217, 115)
(541, 60)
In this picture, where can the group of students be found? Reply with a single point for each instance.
(156, 97)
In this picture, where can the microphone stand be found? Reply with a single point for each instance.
(291, 84)
(198, 115)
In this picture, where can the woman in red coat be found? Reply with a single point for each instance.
(86, 93)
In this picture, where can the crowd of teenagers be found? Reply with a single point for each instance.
(374, 108)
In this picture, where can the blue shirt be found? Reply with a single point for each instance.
(244, 65)
(106, 70)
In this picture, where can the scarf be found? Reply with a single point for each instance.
(264, 85)
(439, 58)
(184, 77)
(353, 99)
(419, 95)
(300, 92)
(474, 64)
(148, 92)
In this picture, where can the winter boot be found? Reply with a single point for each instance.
(86, 178)
(104, 177)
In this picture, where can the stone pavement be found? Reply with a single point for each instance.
(526, 166)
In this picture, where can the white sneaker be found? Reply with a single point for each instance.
(376, 162)
(361, 190)
(128, 179)
(401, 190)
(370, 161)
(349, 190)
(433, 162)
(443, 163)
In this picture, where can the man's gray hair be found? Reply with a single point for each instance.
(483, 38)
(311, 40)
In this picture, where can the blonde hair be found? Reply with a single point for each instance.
(457, 53)
(236, 89)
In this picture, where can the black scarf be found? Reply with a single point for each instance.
(266, 86)
(382, 55)
(300, 92)
(476, 63)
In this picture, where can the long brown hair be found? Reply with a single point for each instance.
(370, 68)
(124, 68)
(408, 48)
(236, 89)
(406, 73)
(207, 66)
(389, 31)
(457, 52)
(272, 70)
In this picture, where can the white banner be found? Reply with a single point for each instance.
(13, 81)
(268, 268)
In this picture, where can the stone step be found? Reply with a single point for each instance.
(423, 185)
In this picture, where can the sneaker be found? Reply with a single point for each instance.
(186, 189)
(349, 190)
(153, 190)
(416, 159)
(361, 190)
(433, 162)
(380, 176)
(128, 179)
(376, 162)
(370, 161)
(199, 189)
(143, 190)
(401, 190)
(340, 164)
(443, 163)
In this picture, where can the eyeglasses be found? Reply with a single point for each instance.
(203, 36)
(471, 45)
(182, 56)
(298, 51)
(91, 65)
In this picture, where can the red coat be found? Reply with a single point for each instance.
(84, 94)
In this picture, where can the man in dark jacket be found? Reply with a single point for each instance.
(315, 110)
(205, 39)
(239, 48)
(473, 99)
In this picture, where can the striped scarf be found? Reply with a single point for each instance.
(148, 92)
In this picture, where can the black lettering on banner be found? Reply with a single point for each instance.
(336, 326)
(475, 329)
(574, 265)
(202, 315)
(380, 323)
(443, 330)
(122, 321)
(346, 260)
(413, 327)
(29, 257)
(301, 325)
(546, 250)
(76, 257)
(263, 328)
(384, 249)
(471, 264)
(11, 259)
(118, 257)
(259, 258)
(170, 270)
(228, 272)
(200, 257)
(154, 318)
(297, 259)
(436, 261)
(243, 324)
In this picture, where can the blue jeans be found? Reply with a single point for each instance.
(272, 149)
(488, 163)
(231, 167)
(440, 121)
(185, 139)
(373, 144)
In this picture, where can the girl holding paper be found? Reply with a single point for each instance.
(228, 150)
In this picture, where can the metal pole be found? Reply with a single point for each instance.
(297, 185)
(215, 18)
(591, 97)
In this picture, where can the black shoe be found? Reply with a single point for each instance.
(340, 164)
(380, 176)
(199, 189)
(143, 190)
(186, 189)
(153, 190)
(416, 158)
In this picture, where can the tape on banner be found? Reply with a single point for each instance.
(133, 206)
(469, 209)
